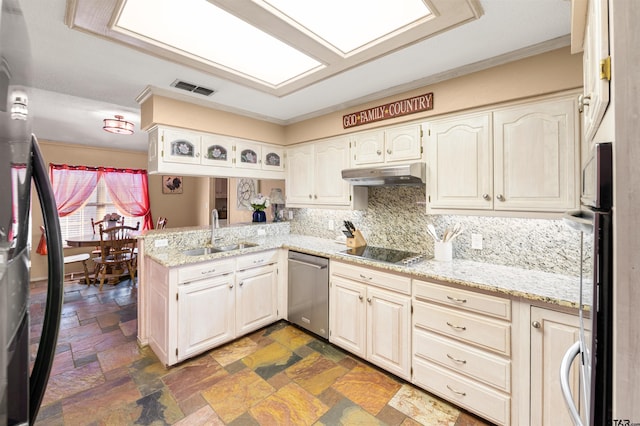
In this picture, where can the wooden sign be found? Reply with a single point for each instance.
(390, 110)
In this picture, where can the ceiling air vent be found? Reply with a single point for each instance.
(192, 88)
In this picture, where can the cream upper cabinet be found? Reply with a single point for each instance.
(217, 151)
(391, 145)
(331, 157)
(192, 153)
(256, 156)
(248, 155)
(368, 148)
(516, 158)
(596, 68)
(180, 146)
(300, 175)
(460, 162)
(314, 176)
(536, 156)
(552, 333)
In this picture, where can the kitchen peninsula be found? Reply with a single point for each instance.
(489, 309)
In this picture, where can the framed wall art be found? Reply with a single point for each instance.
(172, 184)
(246, 190)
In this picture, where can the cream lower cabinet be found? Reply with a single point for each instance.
(462, 348)
(370, 316)
(197, 307)
(552, 333)
(206, 311)
(256, 298)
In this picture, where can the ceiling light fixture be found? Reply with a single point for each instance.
(19, 109)
(118, 125)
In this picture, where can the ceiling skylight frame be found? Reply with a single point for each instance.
(286, 63)
(407, 16)
(98, 16)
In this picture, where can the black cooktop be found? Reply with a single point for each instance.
(381, 254)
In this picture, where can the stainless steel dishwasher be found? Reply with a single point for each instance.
(309, 292)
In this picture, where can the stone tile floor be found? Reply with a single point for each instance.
(279, 375)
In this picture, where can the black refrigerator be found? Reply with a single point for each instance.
(593, 350)
(22, 380)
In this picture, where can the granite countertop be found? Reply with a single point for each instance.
(562, 290)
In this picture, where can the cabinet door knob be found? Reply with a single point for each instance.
(583, 101)
(315, 197)
(240, 283)
(230, 285)
(486, 197)
(379, 152)
(500, 197)
(388, 151)
(360, 297)
(369, 299)
(536, 324)
(310, 196)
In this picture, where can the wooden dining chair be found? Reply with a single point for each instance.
(95, 223)
(162, 222)
(117, 253)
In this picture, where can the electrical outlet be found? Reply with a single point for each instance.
(161, 243)
(290, 215)
(330, 225)
(476, 241)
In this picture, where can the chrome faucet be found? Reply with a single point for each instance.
(214, 225)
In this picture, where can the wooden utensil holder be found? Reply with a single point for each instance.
(357, 240)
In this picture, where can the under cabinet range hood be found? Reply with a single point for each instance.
(402, 174)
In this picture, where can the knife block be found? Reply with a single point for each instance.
(357, 240)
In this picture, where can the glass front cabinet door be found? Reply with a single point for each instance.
(217, 151)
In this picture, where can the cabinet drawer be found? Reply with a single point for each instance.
(463, 359)
(468, 300)
(466, 393)
(257, 259)
(483, 332)
(205, 270)
(372, 277)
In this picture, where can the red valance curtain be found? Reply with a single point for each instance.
(128, 189)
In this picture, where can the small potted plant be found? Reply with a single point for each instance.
(258, 204)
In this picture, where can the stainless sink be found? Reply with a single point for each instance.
(199, 251)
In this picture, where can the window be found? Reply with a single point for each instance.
(96, 207)
(83, 192)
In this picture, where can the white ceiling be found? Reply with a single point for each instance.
(80, 79)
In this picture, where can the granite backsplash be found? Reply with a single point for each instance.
(396, 218)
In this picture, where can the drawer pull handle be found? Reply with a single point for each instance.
(457, 327)
(455, 299)
(456, 392)
(210, 271)
(364, 277)
(459, 361)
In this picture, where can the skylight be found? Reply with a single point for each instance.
(201, 30)
(349, 25)
(275, 46)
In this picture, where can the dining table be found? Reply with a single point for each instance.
(90, 240)
(93, 240)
